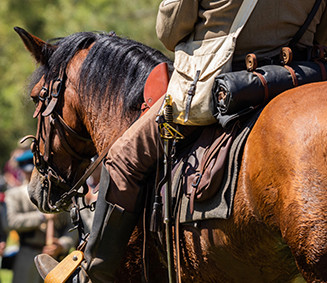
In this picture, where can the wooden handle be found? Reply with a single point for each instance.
(49, 232)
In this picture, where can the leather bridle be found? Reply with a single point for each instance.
(48, 99)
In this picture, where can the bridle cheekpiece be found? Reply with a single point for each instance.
(48, 99)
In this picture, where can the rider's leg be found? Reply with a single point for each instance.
(128, 162)
(109, 237)
(132, 157)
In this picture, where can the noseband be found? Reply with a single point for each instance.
(46, 108)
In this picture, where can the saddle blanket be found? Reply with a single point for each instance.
(221, 204)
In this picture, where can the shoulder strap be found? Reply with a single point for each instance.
(306, 24)
(242, 16)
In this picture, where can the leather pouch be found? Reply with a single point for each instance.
(205, 164)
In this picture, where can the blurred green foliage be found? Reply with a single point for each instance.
(6, 276)
(51, 19)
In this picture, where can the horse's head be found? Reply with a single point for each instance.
(62, 146)
(88, 90)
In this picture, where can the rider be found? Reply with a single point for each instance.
(271, 26)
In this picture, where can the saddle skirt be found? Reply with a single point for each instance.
(205, 178)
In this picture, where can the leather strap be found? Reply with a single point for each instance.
(323, 70)
(42, 96)
(178, 243)
(306, 24)
(56, 87)
(190, 95)
(73, 191)
(264, 84)
(292, 72)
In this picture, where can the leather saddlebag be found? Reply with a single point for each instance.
(204, 165)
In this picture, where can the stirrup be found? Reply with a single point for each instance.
(60, 272)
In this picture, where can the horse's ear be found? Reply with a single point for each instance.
(40, 50)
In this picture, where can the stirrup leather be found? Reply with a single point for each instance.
(65, 268)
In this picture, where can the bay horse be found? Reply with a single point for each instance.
(278, 228)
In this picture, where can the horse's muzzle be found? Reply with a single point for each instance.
(38, 190)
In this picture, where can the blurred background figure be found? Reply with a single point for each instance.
(3, 234)
(13, 176)
(38, 233)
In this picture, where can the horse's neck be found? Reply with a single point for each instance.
(106, 129)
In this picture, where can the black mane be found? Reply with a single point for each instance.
(114, 66)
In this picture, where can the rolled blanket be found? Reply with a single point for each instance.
(237, 93)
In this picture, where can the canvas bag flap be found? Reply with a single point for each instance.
(210, 57)
(204, 55)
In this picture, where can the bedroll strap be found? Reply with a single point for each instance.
(65, 268)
